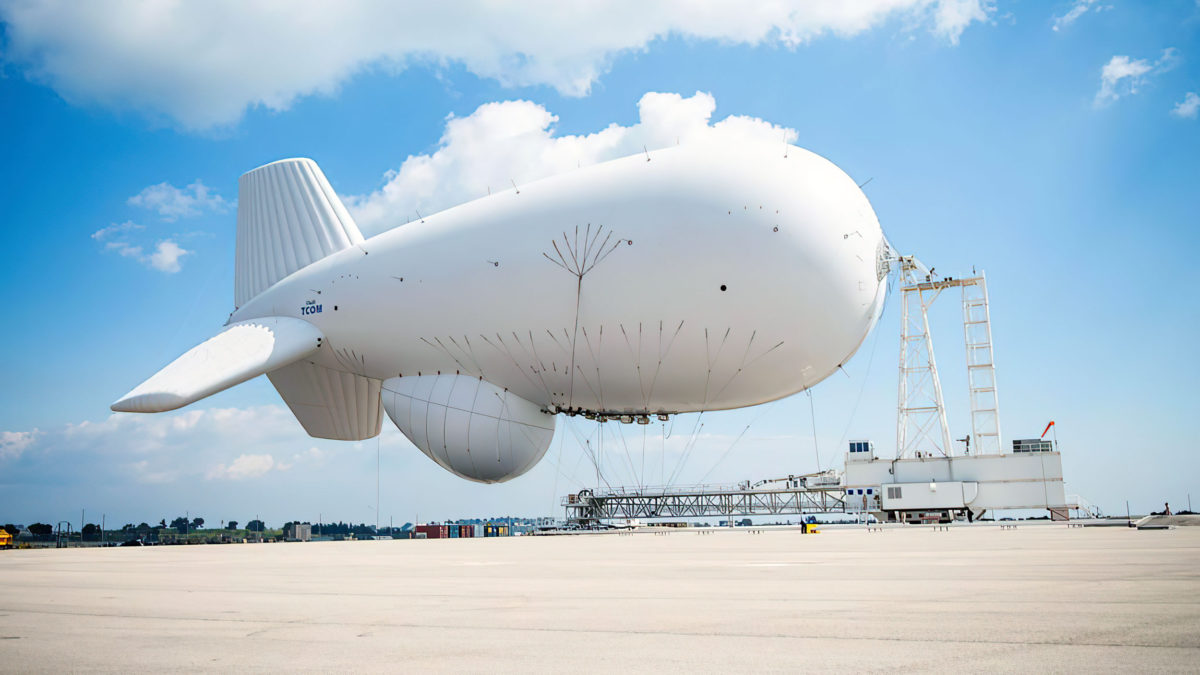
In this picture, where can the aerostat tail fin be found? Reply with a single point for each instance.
(288, 217)
(242, 351)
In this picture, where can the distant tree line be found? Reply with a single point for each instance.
(183, 525)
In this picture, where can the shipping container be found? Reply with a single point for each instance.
(434, 531)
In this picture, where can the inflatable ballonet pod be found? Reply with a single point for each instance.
(700, 277)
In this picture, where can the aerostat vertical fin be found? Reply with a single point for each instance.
(288, 217)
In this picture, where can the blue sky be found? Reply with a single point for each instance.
(1052, 144)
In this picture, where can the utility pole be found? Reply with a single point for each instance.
(103, 517)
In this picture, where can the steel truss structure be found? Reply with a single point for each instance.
(921, 416)
(592, 506)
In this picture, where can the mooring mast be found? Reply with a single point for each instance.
(921, 419)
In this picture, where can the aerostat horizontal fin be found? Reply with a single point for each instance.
(242, 351)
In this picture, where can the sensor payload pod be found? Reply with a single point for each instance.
(699, 277)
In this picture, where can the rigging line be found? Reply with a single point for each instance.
(711, 362)
(557, 343)
(599, 383)
(590, 248)
(662, 469)
(538, 358)
(687, 449)
(478, 368)
(575, 338)
(532, 369)
(742, 365)
(754, 421)
(474, 359)
(505, 352)
(575, 470)
(637, 364)
(607, 252)
(512, 358)
(554, 261)
(751, 363)
(662, 356)
(642, 478)
(628, 457)
(575, 482)
(565, 265)
(583, 252)
(687, 454)
(557, 462)
(588, 384)
(645, 396)
(574, 341)
(585, 444)
(861, 390)
(588, 242)
(604, 251)
(812, 411)
(448, 353)
(575, 251)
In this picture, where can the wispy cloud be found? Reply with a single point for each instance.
(1122, 75)
(1078, 9)
(116, 229)
(205, 63)
(172, 203)
(516, 140)
(1188, 107)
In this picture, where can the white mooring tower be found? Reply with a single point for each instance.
(921, 418)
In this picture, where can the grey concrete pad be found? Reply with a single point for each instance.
(1046, 598)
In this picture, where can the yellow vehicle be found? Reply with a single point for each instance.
(6, 539)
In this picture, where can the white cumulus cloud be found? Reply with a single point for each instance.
(1122, 75)
(1188, 107)
(213, 442)
(13, 443)
(172, 203)
(202, 64)
(516, 141)
(165, 257)
(245, 466)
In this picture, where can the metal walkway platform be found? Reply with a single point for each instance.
(702, 501)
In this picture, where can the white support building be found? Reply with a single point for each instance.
(980, 483)
(927, 478)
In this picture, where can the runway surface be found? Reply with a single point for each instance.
(974, 598)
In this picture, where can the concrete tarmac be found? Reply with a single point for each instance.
(1038, 598)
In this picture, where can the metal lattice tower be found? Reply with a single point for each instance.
(921, 417)
(921, 420)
